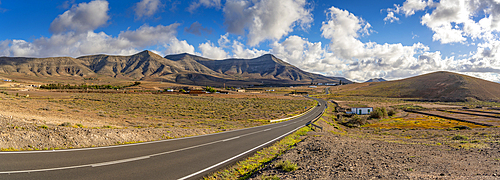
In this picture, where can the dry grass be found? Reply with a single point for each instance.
(153, 110)
(424, 122)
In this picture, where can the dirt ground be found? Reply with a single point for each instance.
(363, 154)
(354, 155)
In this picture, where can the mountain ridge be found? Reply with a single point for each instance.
(177, 68)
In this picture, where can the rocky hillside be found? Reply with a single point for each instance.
(180, 68)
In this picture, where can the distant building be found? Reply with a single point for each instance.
(240, 90)
(313, 86)
(360, 110)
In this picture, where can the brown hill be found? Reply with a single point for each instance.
(443, 86)
(180, 68)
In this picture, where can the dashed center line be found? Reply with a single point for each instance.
(132, 159)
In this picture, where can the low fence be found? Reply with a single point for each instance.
(311, 123)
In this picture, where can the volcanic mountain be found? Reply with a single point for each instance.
(376, 80)
(442, 86)
(180, 68)
(265, 68)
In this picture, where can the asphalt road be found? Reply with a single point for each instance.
(182, 158)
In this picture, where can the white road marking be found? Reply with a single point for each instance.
(129, 159)
(231, 138)
(234, 157)
(120, 161)
(135, 144)
(158, 154)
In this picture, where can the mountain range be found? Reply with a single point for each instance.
(179, 68)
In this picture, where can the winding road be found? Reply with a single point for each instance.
(182, 158)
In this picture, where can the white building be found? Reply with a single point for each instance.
(361, 110)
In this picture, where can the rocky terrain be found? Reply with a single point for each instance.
(325, 155)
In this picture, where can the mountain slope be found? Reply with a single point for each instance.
(266, 67)
(143, 64)
(444, 86)
(55, 66)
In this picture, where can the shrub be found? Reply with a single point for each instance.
(354, 121)
(462, 127)
(210, 89)
(44, 126)
(459, 137)
(378, 113)
(66, 124)
(391, 112)
(287, 166)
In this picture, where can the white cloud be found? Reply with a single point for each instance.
(391, 17)
(81, 18)
(148, 35)
(266, 19)
(176, 47)
(206, 3)
(77, 44)
(409, 7)
(147, 8)
(224, 41)
(393, 61)
(366, 60)
(209, 50)
(240, 51)
(454, 21)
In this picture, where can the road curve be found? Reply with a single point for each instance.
(182, 158)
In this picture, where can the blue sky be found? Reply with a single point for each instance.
(358, 39)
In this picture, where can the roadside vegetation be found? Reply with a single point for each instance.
(245, 168)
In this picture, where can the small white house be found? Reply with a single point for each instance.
(361, 110)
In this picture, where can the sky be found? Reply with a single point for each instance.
(355, 39)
